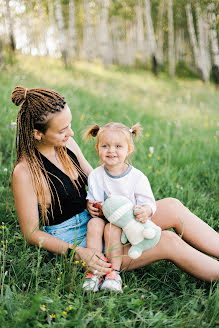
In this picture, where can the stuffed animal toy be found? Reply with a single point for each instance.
(119, 211)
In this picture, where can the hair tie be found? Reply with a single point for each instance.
(130, 130)
(25, 93)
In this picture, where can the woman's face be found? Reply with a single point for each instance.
(59, 129)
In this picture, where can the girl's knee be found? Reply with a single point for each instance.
(112, 229)
(170, 243)
(96, 225)
(173, 202)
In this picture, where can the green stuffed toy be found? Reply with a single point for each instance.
(119, 211)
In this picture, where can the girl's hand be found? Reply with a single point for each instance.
(94, 260)
(142, 213)
(93, 209)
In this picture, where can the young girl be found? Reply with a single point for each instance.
(115, 176)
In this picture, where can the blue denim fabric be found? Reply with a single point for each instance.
(73, 230)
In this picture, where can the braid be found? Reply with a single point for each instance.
(36, 105)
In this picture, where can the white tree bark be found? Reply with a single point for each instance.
(150, 28)
(199, 62)
(103, 35)
(140, 39)
(160, 32)
(171, 52)
(54, 44)
(9, 23)
(61, 28)
(71, 30)
(89, 42)
(203, 49)
(213, 33)
(180, 45)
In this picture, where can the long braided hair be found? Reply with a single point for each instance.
(36, 105)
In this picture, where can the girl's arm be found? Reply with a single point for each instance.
(73, 146)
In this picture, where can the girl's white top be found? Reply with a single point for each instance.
(132, 184)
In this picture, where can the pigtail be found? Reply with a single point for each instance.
(91, 131)
(136, 130)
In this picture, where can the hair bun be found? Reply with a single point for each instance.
(18, 95)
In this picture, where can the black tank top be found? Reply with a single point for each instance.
(71, 200)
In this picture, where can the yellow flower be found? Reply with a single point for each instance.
(58, 278)
(3, 227)
(64, 312)
(158, 157)
(76, 262)
(4, 245)
(82, 117)
(70, 308)
(44, 305)
(53, 315)
(177, 186)
(83, 263)
(149, 155)
(158, 171)
(1, 241)
(149, 166)
(147, 135)
(61, 272)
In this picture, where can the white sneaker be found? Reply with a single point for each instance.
(112, 281)
(92, 282)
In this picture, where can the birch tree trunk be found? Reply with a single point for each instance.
(151, 37)
(171, 54)
(202, 45)
(89, 44)
(196, 51)
(9, 23)
(104, 40)
(140, 39)
(61, 29)
(53, 31)
(160, 33)
(214, 41)
(71, 30)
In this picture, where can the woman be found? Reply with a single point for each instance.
(49, 180)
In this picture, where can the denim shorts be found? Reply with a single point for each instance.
(73, 230)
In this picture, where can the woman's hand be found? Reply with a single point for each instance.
(142, 213)
(94, 260)
(94, 212)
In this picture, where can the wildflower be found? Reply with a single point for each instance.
(70, 308)
(181, 188)
(3, 227)
(151, 149)
(61, 272)
(147, 135)
(76, 262)
(4, 245)
(82, 117)
(158, 171)
(206, 174)
(83, 263)
(2, 241)
(43, 308)
(158, 157)
(12, 125)
(53, 315)
(58, 278)
(149, 166)
(177, 186)
(5, 169)
(149, 155)
(64, 312)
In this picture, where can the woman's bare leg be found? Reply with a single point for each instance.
(95, 228)
(173, 248)
(113, 246)
(171, 213)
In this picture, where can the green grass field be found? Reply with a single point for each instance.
(181, 121)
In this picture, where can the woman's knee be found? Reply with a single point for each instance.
(95, 225)
(169, 243)
(173, 203)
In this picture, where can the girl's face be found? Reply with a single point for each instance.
(59, 129)
(113, 148)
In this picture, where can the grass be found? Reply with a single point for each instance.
(181, 121)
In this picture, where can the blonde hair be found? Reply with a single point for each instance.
(96, 131)
(36, 105)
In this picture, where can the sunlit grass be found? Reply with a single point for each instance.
(180, 118)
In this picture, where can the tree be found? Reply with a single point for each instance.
(214, 42)
(171, 52)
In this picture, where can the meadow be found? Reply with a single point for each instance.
(180, 118)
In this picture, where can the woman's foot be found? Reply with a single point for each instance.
(112, 281)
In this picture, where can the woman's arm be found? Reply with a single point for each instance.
(27, 210)
(73, 146)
